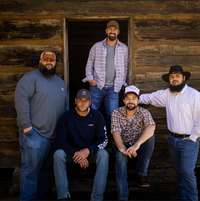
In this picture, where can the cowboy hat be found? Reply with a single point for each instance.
(176, 69)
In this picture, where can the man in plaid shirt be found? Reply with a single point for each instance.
(132, 128)
(106, 71)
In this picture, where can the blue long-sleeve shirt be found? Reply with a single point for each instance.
(77, 132)
(40, 101)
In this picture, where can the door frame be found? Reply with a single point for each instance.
(95, 18)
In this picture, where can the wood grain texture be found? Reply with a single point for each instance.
(100, 7)
(167, 29)
(34, 29)
(26, 55)
(167, 55)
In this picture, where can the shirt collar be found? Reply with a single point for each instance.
(184, 88)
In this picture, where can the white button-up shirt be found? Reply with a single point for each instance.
(182, 109)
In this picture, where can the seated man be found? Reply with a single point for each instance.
(132, 128)
(81, 138)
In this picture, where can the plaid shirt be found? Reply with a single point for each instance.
(96, 65)
(130, 131)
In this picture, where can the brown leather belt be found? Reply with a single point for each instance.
(179, 135)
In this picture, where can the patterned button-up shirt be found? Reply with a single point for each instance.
(96, 65)
(130, 131)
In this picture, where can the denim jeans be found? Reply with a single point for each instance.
(60, 171)
(111, 102)
(34, 150)
(144, 155)
(184, 156)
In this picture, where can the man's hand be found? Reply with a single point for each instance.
(132, 150)
(79, 156)
(27, 129)
(92, 82)
(186, 138)
(123, 151)
(84, 163)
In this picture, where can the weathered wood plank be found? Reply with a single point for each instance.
(30, 29)
(153, 81)
(8, 82)
(26, 55)
(9, 159)
(9, 154)
(7, 112)
(32, 42)
(161, 154)
(171, 29)
(156, 112)
(100, 7)
(167, 55)
(8, 130)
(9, 79)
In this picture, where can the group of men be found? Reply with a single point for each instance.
(79, 135)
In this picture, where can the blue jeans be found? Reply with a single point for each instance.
(184, 156)
(34, 150)
(60, 171)
(111, 102)
(144, 155)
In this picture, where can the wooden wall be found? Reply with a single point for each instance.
(21, 43)
(161, 34)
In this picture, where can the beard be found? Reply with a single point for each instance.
(177, 88)
(112, 38)
(47, 72)
(131, 107)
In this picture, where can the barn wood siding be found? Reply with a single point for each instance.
(163, 34)
(21, 43)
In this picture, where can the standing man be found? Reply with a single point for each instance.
(81, 139)
(40, 99)
(132, 128)
(106, 71)
(183, 120)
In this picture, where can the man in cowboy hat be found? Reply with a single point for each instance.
(183, 120)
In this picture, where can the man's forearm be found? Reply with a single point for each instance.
(119, 142)
(147, 133)
(25, 130)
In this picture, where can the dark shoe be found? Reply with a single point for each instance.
(142, 181)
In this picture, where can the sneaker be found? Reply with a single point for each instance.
(142, 181)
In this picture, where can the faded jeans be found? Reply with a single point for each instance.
(61, 159)
(34, 150)
(144, 155)
(184, 156)
(111, 102)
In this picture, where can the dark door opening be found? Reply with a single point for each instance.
(82, 35)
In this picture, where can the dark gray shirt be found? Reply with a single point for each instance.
(110, 69)
(40, 101)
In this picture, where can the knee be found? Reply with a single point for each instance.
(187, 174)
(103, 155)
(59, 155)
(120, 156)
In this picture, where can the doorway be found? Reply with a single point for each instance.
(82, 35)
